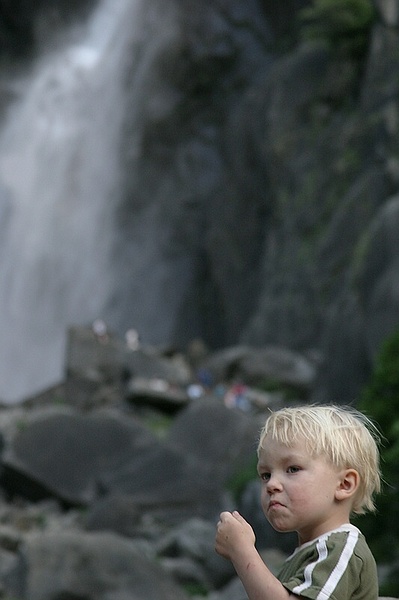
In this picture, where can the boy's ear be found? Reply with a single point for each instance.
(348, 484)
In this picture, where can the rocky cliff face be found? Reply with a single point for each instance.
(257, 199)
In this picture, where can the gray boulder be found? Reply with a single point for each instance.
(65, 454)
(194, 541)
(96, 357)
(105, 458)
(89, 566)
(223, 440)
(118, 513)
(234, 590)
(166, 482)
(187, 473)
(259, 366)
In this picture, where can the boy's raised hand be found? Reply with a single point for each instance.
(233, 535)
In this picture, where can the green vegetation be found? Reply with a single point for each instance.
(195, 589)
(380, 401)
(342, 24)
(157, 422)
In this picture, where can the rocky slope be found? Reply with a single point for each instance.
(111, 483)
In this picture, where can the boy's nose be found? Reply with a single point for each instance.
(273, 484)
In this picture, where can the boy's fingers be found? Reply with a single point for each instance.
(237, 516)
(224, 514)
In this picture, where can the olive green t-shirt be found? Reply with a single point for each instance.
(336, 566)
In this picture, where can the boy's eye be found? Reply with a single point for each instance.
(265, 476)
(293, 469)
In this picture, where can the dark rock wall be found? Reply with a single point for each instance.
(19, 21)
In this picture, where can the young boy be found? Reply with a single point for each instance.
(318, 465)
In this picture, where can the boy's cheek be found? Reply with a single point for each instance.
(264, 502)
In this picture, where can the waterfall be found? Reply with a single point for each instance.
(59, 185)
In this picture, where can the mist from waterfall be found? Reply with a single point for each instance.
(59, 184)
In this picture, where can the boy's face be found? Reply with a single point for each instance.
(299, 491)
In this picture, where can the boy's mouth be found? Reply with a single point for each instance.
(275, 504)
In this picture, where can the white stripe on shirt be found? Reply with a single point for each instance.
(337, 572)
(322, 555)
(340, 567)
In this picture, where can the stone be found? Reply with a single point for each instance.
(87, 565)
(65, 454)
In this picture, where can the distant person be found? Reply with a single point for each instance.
(318, 466)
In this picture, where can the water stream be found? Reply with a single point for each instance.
(59, 182)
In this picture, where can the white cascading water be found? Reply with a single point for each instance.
(59, 150)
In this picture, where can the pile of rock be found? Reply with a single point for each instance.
(112, 481)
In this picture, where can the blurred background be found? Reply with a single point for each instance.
(211, 170)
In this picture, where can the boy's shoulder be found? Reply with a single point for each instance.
(337, 560)
(346, 540)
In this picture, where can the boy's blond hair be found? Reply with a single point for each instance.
(345, 436)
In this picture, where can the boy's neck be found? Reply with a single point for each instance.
(340, 516)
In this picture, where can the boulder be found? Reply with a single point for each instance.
(262, 366)
(104, 459)
(96, 357)
(194, 540)
(166, 482)
(117, 513)
(234, 590)
(223, 440)
(89, 566)
(158, 393)
(66, 454)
